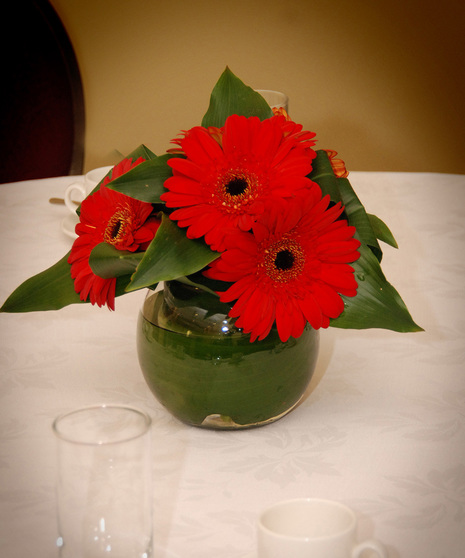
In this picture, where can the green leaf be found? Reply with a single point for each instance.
(108, 262)
(51, 289)
(122, 284)
(141, 151)
(377, 303)
(340, 190)
(212, 286)
(231, 96)
(195, 283)
(382, 231)
(145, 181)
(323, 174)
(170, 255)
(358, 217)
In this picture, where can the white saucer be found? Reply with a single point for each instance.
(68, 224)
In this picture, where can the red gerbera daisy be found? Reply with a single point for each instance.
(112, 217)
(227, 174)
(291, 269)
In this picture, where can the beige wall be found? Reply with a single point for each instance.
(382, 82)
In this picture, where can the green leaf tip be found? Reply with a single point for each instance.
(377, 304)
(231, 96)
(51, 289)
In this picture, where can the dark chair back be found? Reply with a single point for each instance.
(41, 100)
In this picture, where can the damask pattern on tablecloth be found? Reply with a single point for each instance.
(382, 427)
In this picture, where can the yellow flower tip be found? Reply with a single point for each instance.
(280, 111)
(175, 151)
(338, 165)
(216, 134)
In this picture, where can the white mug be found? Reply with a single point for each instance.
(311, 528)
(84, 187)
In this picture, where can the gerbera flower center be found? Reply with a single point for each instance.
(118, 226)
(236, 188)
(284, 260)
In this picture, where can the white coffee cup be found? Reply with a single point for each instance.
(83, 187)
(311, 528)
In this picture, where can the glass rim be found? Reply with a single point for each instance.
(271, 91)
(284, 98)
(147, 422)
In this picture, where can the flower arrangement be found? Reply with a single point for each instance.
(244, 207)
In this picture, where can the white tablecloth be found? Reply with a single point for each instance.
(382, 428)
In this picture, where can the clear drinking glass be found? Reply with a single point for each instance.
(276, 99)
(104, 489)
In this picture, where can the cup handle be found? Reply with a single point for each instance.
(369, 544)
(68, 192)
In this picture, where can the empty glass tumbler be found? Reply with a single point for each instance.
(104, 494)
